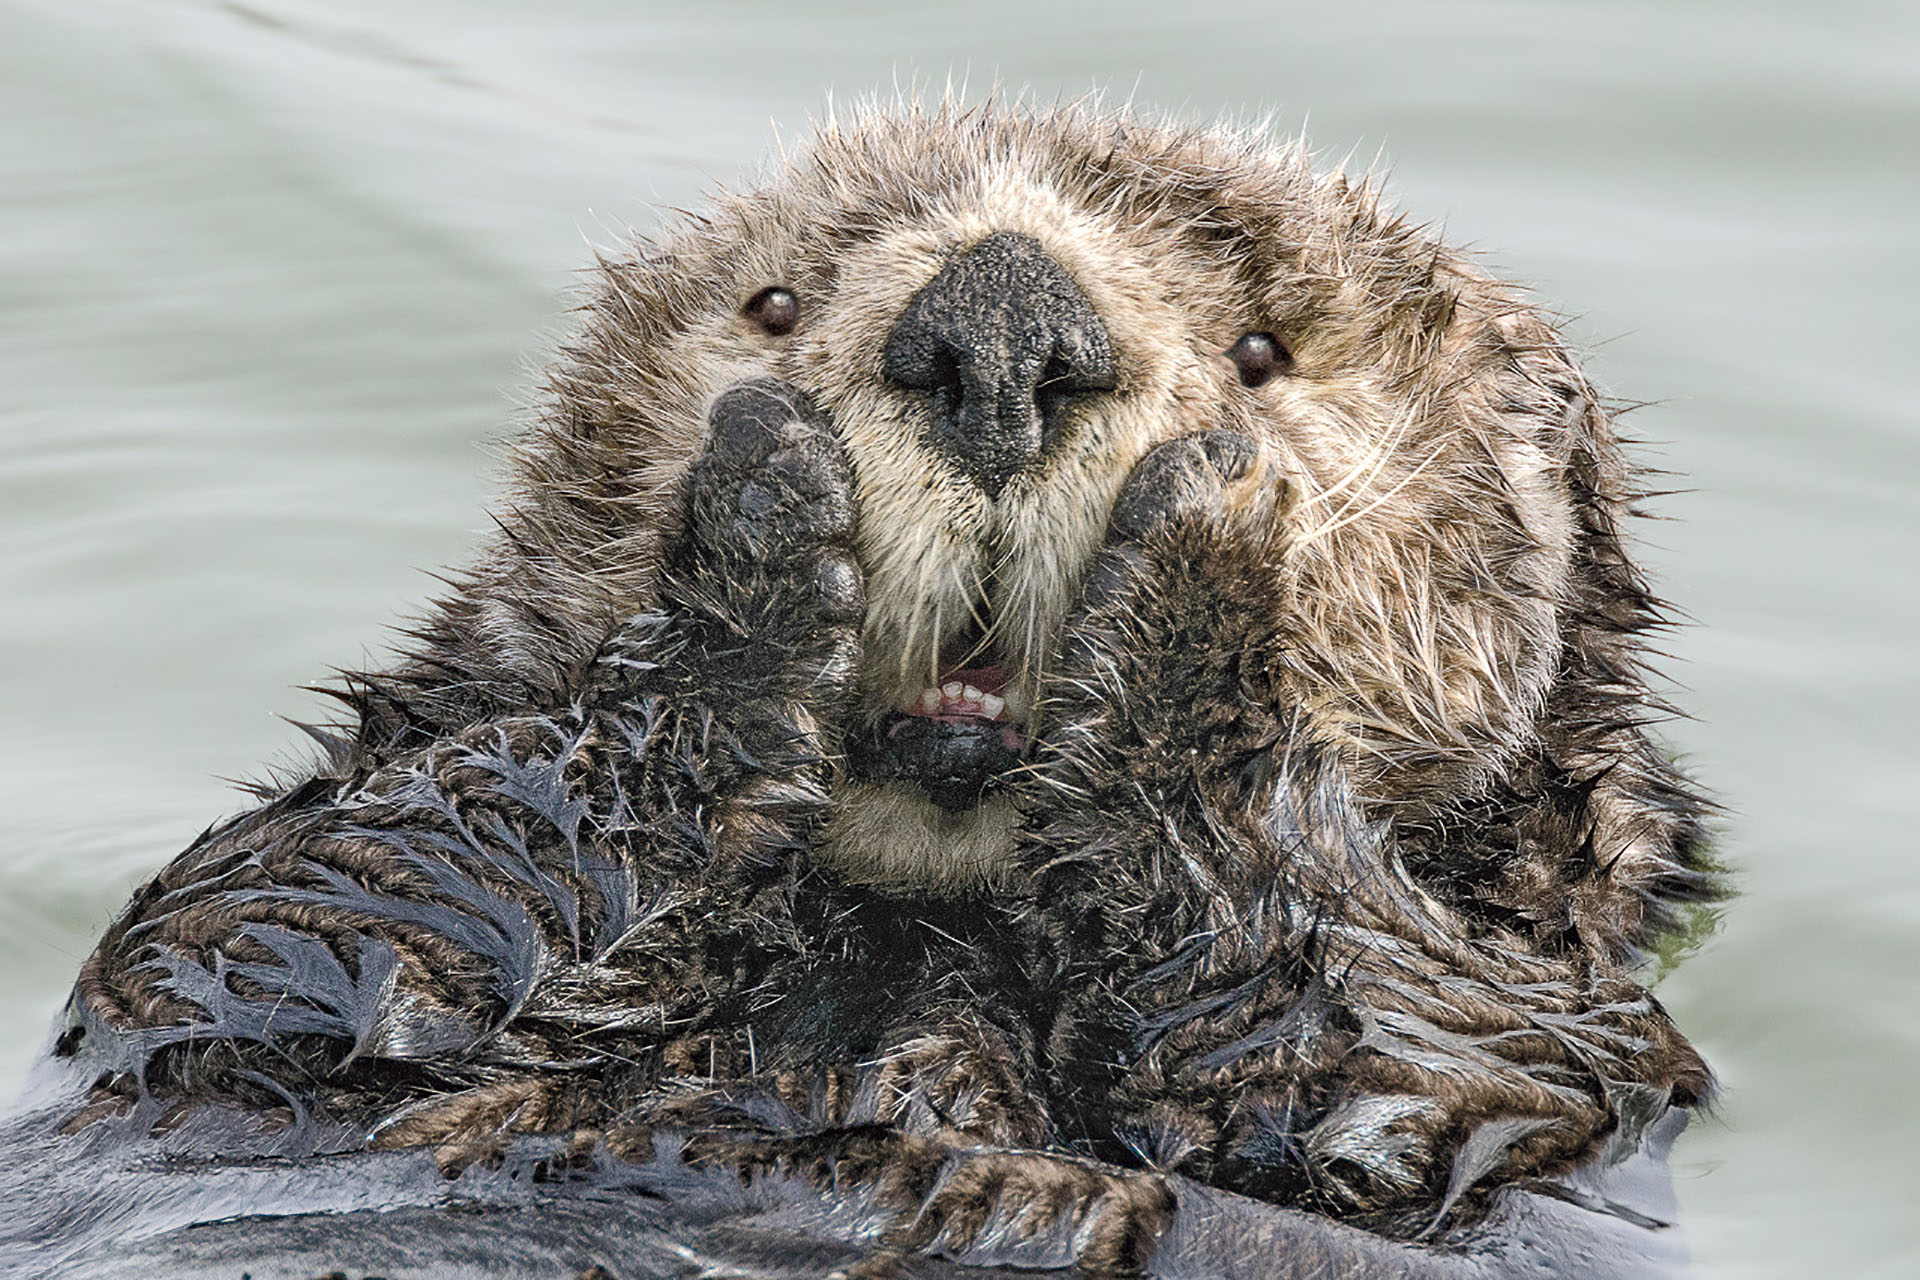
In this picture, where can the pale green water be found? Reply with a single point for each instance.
(272, 275)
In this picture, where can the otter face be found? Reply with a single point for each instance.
(1002, 314)
(997, 367)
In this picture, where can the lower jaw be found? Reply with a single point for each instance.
(956, 762)
(923, 808)
(891, 836)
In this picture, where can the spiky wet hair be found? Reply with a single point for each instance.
(1338, 815)
(1462, 608)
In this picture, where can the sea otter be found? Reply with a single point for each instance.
(1041, 673)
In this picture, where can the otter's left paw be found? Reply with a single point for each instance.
(1191, 478)
(1184, 586)
(1166, 689)
(1187, 500)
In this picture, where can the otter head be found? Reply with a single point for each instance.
(1002, 312)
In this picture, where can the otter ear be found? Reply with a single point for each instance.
(1611, 836)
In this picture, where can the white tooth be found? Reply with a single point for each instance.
(972, 694)
(952, 688)
(991, 705)
(930, 701)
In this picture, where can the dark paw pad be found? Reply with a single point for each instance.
(1181, 479)
(838, 587)
(773, 478)
(746, 422)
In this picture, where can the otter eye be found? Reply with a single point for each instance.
(774, 309)
(1258, 357)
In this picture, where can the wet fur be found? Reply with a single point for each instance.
(1342, 829)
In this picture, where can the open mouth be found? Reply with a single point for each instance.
(957, 738)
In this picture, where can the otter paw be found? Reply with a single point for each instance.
(1194, 478)
(774, 481)
(1205, 484)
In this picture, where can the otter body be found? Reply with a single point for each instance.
(1047, 682)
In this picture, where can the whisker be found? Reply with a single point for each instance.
(1364, 470)
(1342, 519)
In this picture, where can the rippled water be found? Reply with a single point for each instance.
(273, 276)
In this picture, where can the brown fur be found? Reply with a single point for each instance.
(1343, 821)
(1458, 557)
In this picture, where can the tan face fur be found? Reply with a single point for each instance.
(1438, 451)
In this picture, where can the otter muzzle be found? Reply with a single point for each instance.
(1001, 341)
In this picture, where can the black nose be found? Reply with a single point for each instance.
(999, 341)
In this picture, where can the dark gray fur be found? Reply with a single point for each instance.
(610, 933)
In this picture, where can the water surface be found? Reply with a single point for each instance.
(274, 276)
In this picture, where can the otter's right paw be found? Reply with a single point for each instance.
(774, 483)
(734, 693)
(763, 580)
